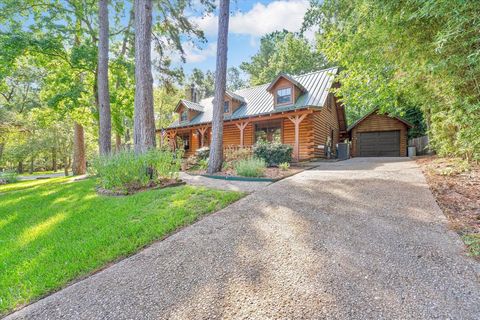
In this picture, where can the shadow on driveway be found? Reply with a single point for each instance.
(361, 238)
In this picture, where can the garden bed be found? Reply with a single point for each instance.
(456, 187)
(132, 189)
(270, 174)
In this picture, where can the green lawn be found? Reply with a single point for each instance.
(40, 173)
(53, 231)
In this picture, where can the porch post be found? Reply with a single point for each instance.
(163, 134)
(296, 147)
(202, 131)
(242, 127)
(171, 137)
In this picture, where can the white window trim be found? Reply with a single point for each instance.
(291, 96)
(181, 114)
(229, 107)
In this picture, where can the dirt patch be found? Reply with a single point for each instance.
(132, 189)
(273, 173)
(456, 187)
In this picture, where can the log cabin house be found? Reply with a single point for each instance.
(296, 110)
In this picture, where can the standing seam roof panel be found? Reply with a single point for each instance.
(259, 101)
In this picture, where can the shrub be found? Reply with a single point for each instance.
(189, 163)
(250, 167)
(8, 176)
(203, 153)
(124, 170)
(284, 166)
(227, 165)
(203, 164)
(234, 154)
(273, 153)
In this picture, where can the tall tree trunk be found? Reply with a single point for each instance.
(66, 165)
(79, 162)
(127, 139)
(54, 159)
(118, 142)
(79, 165)
(216, 147)
(2, 146)
(118, 83)
(144, 123)
(20, 167)
(105, 131)
(32, 163)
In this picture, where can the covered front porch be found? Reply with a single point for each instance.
(294, 128)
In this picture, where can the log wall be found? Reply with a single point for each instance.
(314, 130)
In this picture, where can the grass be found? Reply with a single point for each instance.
(54, 231)
(473, 243)
(40, 173)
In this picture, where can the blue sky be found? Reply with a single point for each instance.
(249, 20)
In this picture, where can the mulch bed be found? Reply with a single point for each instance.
(457, 191)
(273, 173)
(135, 188)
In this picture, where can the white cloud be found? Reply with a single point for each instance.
(310, 35)
(261, 19)
(194, 54)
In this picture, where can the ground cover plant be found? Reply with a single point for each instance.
(54, 231)
(8, 177)
(252, 167)
(284, 166)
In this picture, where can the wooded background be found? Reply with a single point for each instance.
(416, 59)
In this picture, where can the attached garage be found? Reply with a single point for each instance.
(379, 135)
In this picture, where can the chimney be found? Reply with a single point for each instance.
(191, 93)
(188, 93)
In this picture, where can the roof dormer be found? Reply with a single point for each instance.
(232, 102)
(285, 90)
(187, 110)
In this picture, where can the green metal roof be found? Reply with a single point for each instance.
(258, 101)
(190, 105)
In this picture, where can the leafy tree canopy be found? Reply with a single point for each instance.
(402, 54)
(235, 80)
(282, 52)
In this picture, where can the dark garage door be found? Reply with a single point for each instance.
(379, 144)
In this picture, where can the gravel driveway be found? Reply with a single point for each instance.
(358, 239)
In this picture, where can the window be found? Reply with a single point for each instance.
(284, 95)
(184, 116)
(226, 107)
(270, 131)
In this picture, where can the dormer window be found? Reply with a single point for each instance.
(284, 95)
(285, 90)
(184, 116)
(226, 107)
